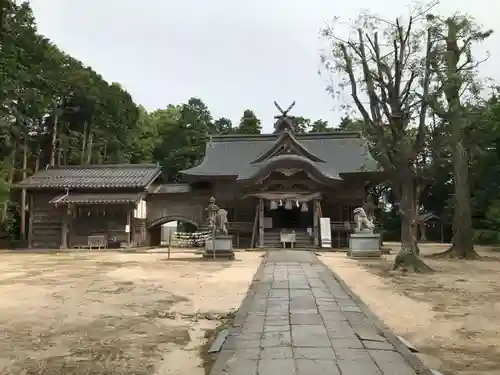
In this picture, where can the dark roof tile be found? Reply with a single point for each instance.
(113, 198)
(132, 176)
(343, 152)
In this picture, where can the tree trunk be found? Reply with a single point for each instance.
(38, 145)
(462, 244)
(22, 212)
(105, 152)
(457, 116)
(408, 258)
(89, 149)
(10, 179)
(59, 154)
(54, 139)
(37, 160)
(84, 143)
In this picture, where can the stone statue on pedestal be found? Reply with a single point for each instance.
(216, 217)
(363, 222)
(221, 222)
(363, 242)
(221, 244)
(211, 209)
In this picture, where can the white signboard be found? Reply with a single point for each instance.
(287, 237)
(325, 231)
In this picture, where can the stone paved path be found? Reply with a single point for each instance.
(301, 322)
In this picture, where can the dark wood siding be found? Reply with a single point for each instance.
(106, 220)
(46, 222)
(139, 236)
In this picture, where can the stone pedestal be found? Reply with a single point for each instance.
(223, 247)
(364, 245)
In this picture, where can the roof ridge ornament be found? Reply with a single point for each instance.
(284, 121)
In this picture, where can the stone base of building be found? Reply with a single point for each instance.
(364, 245)
(223, 247)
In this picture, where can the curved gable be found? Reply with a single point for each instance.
(287, 144)
(289, 165)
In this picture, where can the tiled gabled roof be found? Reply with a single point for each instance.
(113, 176)
(232, 155)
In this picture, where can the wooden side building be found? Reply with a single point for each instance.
(96, 205)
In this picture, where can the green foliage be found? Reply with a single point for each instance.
(4, 186)
(320, 126)
(223, 125)
(349, 124)
(249, 123)
(487, 229)
(484, 146)
(301, 124)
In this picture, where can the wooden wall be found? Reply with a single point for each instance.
(109, 221)
(139, 232)
(45, 221)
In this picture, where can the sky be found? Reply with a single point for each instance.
(232, 54)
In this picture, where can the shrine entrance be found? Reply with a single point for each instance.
(292, 217)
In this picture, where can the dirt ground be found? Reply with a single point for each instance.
(451, 316)
(114, 313)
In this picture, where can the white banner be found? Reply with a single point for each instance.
(325, 232)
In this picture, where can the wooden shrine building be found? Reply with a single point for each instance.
(82, 206)
(268, 183)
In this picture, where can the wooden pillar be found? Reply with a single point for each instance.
(423, 233)
(31, 207)
(255, 226)
(130, 212)
(261, 223)
(64, 231)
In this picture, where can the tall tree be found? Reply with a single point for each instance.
(454, 67)
(394, 78)
(249, 123)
